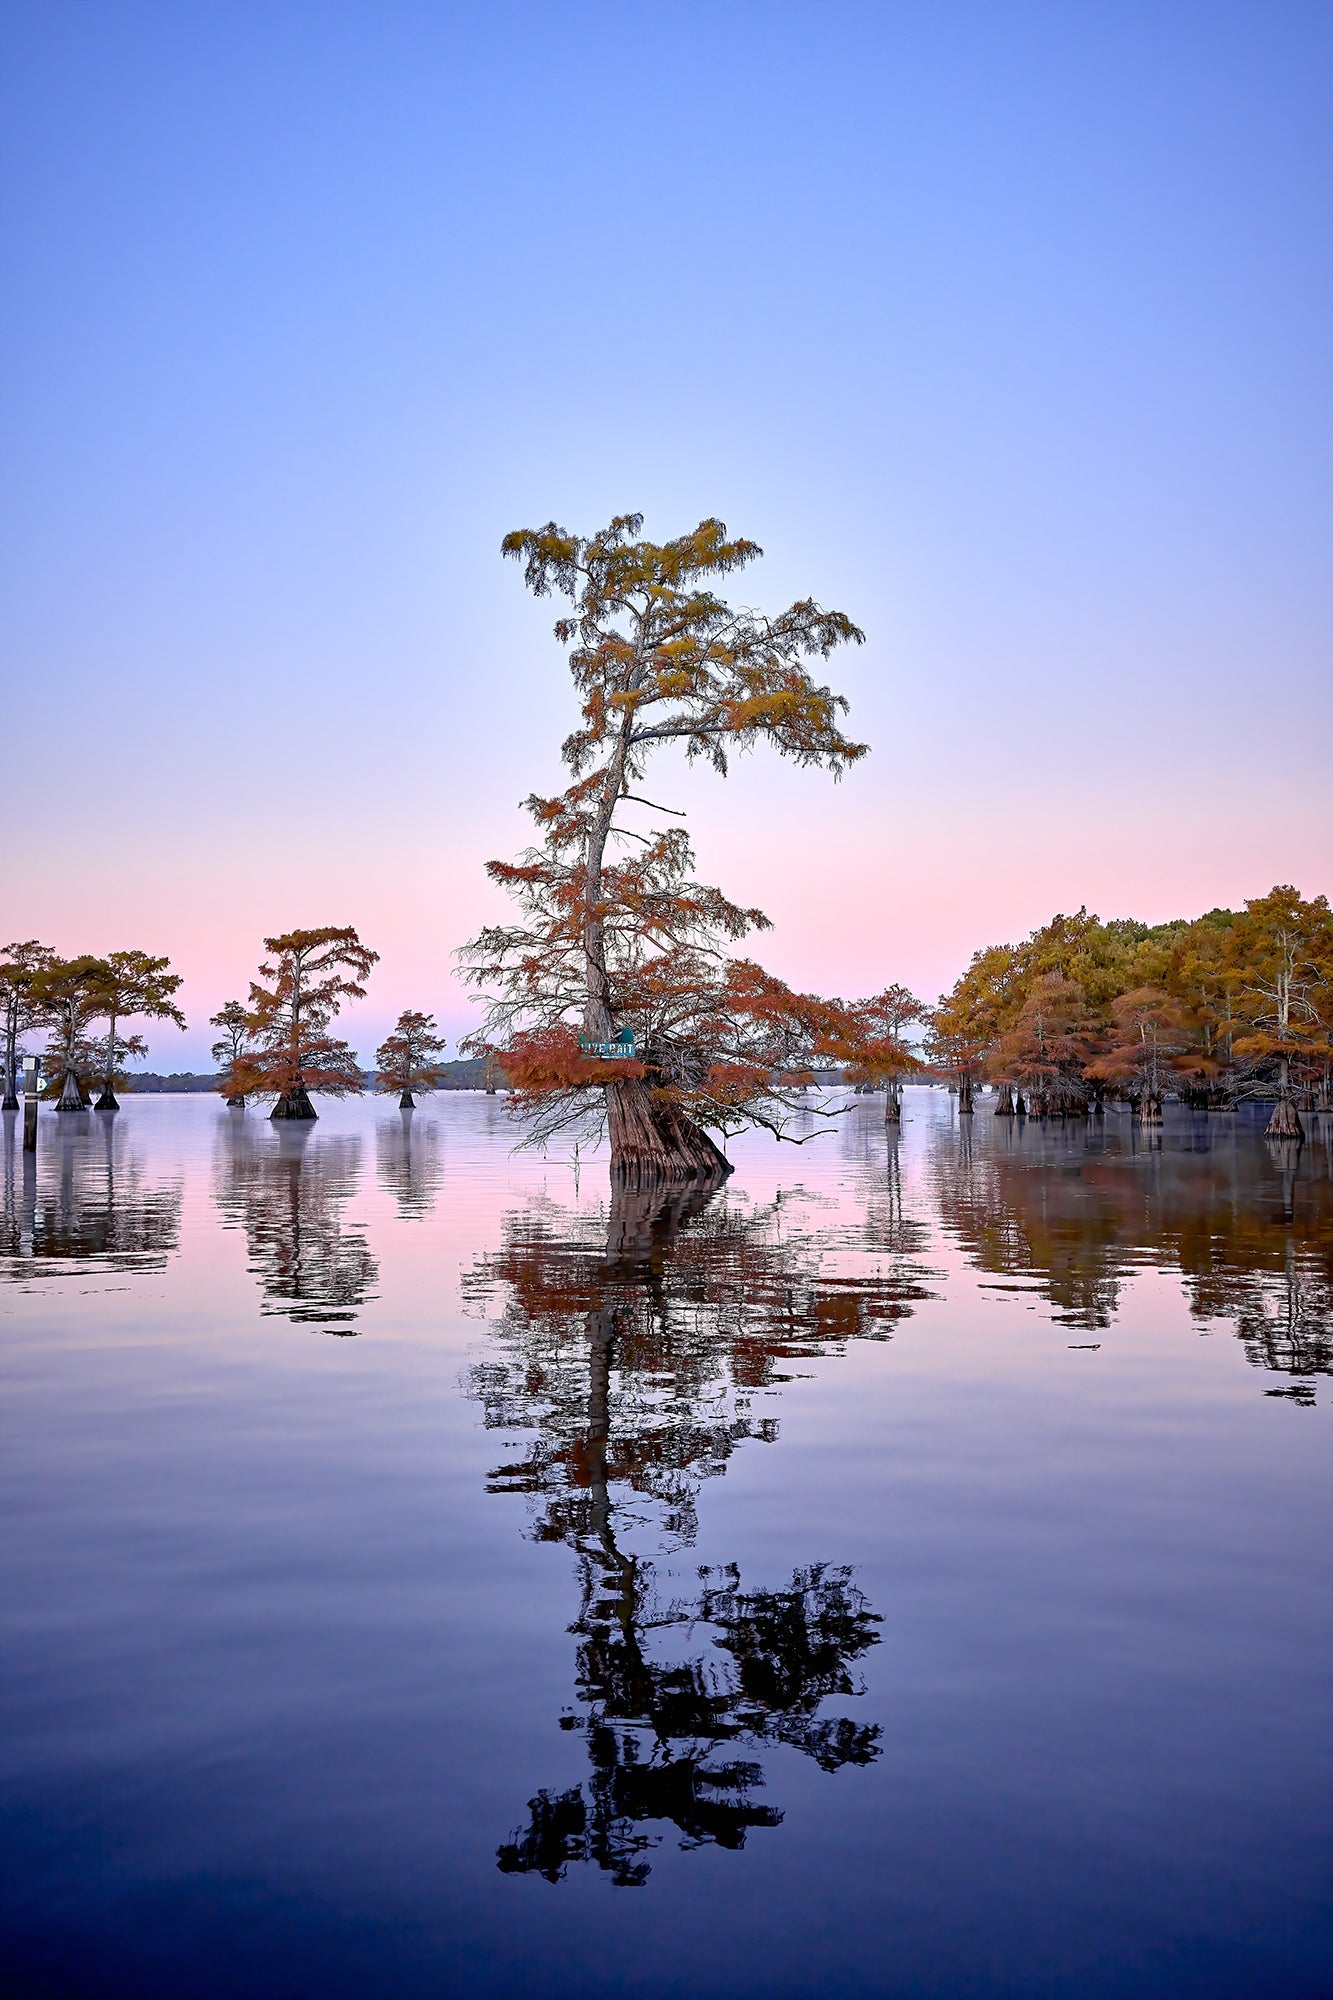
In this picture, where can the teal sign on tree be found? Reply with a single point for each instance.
(623, 1045)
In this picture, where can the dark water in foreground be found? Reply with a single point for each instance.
(906, 1575)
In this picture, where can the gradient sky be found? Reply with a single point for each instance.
(1004, 327)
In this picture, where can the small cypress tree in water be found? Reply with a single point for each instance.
(408, 1060)
(309, 974)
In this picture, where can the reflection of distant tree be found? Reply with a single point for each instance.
(407, 1155)
(630, 1345)
(1249, 1225)
(662, 1732)
(83, 1195)
(287, 1188)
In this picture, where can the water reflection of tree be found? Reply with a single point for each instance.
(84, 1196)
(287, 1188)
(1247, 1224)
(407, 1156)
(632, 1345)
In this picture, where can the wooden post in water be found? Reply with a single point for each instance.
(30, 1104)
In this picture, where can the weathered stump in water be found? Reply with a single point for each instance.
(1285, 1122)
(294, 1104)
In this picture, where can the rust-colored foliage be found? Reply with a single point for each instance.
(1240, 1003)
(310, 974)
(408, 1060)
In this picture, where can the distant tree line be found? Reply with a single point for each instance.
(1234, 1004)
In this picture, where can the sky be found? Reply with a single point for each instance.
(1003, 327)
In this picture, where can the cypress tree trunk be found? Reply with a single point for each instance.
(294, 1103)
(964, 1096)
(11, 1098)
(407, 1102)
(654, 1142)
(893, 1104)
(1285, 1122)
(1020, 1104)
(1150, 1109)
(236, 1102)
(71, 1097)
(107, 1101)
(1004, 1103)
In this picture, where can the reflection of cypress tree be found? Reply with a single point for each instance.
(287, 1189)
(407, 1156)
(84, 1196)
(634, 1361)
(1248, 1224)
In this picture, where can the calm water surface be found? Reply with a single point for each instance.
(905, 1573)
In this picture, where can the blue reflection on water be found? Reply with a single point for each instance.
(904, 1572)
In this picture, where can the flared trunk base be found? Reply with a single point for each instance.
(294, 1104)
(1285, 1122)
(407, 1102)
(107, 1102)
(653, 1142)
(71, 1097)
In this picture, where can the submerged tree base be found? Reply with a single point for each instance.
(407, 1102)
(1285, 1122)
(294, 1104)
(108, 1101)
(236, 1103)
(652, 1142)
(71, 1097)
(1004, 1102)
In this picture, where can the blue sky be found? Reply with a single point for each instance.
(1005, 328)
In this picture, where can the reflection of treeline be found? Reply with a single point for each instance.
(86, 1197)
(1235, 1003)
(1248, 1225)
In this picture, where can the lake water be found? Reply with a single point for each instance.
(906, 1574)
